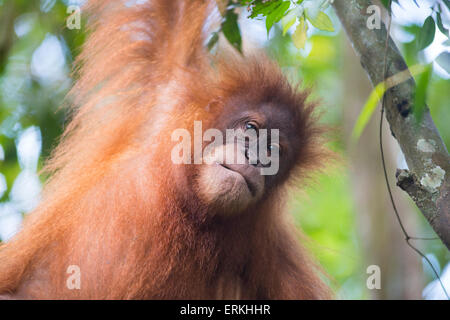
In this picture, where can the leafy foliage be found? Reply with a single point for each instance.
(426, 35)
(230, 29)
(289, 13)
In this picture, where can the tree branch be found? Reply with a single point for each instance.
(427, 181)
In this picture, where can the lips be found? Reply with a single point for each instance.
(241, 169)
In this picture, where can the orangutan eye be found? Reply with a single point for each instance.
(274, 149)
(251, 125)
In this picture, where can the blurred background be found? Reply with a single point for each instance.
(345, 210)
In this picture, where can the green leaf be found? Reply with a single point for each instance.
(440, 25)
(426, 35)
(231, 31)
(443, 60)
(276, 14)
(288, 20)
(423, 79)
(322, 22)
(213, 40)
(299, 35)
(264, 8)
(367, 111)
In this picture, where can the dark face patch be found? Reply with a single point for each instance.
(267, 116)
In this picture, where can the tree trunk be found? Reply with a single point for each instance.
(427, 180)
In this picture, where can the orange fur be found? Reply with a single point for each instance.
(111, 203)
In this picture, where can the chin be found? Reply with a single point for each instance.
(230, 189)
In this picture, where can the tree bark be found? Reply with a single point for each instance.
(427, 180)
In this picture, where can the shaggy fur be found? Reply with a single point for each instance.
(112, 205)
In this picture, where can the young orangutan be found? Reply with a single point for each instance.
(135, 224)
